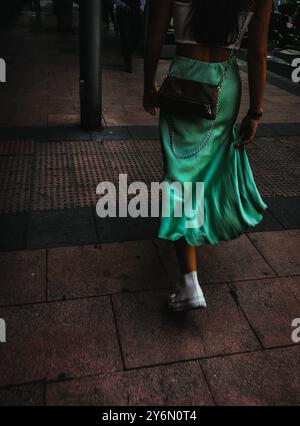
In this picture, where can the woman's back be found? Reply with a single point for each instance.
(207, 48)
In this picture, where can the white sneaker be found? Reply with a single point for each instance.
(188, 295)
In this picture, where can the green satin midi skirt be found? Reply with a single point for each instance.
(231, 201)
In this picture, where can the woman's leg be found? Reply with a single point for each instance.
(189, 294)
(186, 255)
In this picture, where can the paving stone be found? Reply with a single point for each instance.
(144, 322)
(266, 130)
(111, 133)
(270, 308)
(144, 132)
(13, 230)
(286, 210)
(287, 86)
(71, 133)
(281, 249)
(23, 133)
(263, 378)
(293, 284)
(166, 252)
(177, 384)
(114, 109)
(27, 395)
(63, 119)
(58, 340)
(126, 229)
(23, 277)
(216, 265)
(28, 118)
(139, 119)
(279, 117)
(61, 227)
(286, 129)
(231, 261)
(269, 222)
(57, 108)
(89, 271)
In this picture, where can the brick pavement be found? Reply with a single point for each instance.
(85, 300)
(90, 326)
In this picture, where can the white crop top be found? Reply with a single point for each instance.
(183, 33)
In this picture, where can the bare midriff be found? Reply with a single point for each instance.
(203, 52)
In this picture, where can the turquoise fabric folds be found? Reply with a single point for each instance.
(232, 203)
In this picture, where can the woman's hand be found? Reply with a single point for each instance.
(149, 99)
(247, 131)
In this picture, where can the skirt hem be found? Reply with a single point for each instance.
(205, 241)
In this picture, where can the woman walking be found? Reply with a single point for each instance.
(203, 149)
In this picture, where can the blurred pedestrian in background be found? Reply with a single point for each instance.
(64, 12)
(108, 13)
(129, 24)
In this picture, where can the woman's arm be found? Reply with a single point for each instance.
(160, 12)
(257, 66)
(257, 53)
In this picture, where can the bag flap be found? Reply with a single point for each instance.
(194, 91)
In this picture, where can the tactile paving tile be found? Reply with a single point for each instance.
(52, 183)
(51, 148)
(276, 149)
(141, 160)
(87, 169)
(16, 148)
(15, 177)
(107, 160)
(66, 174)
(14, 201)
(44, 163)
(276, 166)
(15, 172)
(82, 147)
(52, 198)
(52, 191)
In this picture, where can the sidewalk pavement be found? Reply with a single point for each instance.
(85, 300)
(42, 86)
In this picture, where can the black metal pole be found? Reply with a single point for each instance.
(90, 63)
